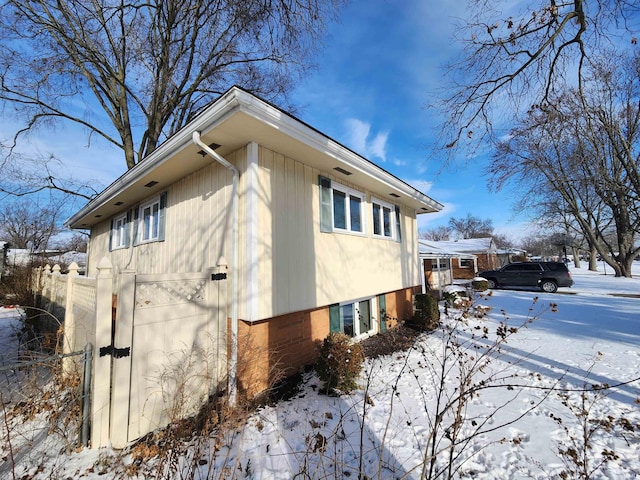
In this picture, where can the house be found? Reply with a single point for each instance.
(464, 267)
(309, 236)
(437, 265)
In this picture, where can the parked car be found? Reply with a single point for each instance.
(547, 276)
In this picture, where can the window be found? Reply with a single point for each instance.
(151, 220)
(438, 264)
(354, 319)
(386, 220)
(466, 263)
(531, 267)
(340, 208)
(120, 232)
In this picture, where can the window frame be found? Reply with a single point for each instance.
(327, 207)
(394, 220)
(119, 232)
(465, 260)
(156, 228)
(373, 317)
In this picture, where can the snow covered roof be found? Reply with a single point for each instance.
(431, 249)
(468, 245)
(19, 257)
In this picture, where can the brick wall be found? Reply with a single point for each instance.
(279, 347)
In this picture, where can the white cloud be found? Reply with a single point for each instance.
(358, 133)
(422, 185)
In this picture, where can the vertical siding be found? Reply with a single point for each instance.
(301, 268)
(198, 227)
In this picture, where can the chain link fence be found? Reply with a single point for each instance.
(40, 390)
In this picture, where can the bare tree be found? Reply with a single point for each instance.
(135, 72)
(439, 233)
(518, 54)
(26, 225)
(471, 227)
(585, 152)
(24, 176)
(75, 243)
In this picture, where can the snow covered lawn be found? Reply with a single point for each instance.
(580, 337)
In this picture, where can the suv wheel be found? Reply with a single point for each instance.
(491, 283)
(549, 286)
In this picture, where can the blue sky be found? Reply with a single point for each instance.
(383, 63)
(381, 67)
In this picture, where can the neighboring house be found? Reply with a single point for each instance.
(316, 238)
(22, 257)
(437, 265)
(484, 250)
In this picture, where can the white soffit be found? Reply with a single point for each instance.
(234, 120)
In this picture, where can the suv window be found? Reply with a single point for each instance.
(556, 266)
(512, 268)
(531, 267)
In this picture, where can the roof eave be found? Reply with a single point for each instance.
(236, 99)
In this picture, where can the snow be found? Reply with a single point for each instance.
(565, 342)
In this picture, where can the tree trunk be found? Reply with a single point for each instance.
(576, 257)
(593, 259)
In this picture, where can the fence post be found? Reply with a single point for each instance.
(86, 394)
(53, 293)
(46, 288)
(123, 342)
(69, 333)
(101, 404)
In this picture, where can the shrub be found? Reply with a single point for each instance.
(480, 284)
(339, 362)
(427, 313)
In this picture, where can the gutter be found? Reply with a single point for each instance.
(233, 364)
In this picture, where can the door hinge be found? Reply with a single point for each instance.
(115, 352)
(218, 276)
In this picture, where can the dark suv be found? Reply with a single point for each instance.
(545, 275)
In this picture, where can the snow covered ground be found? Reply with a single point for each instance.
(583, 336)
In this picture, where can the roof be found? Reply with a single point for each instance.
(430, 249)
(23, 257)
(468, 245)
(235, 119)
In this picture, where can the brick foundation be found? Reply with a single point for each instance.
(279, 347)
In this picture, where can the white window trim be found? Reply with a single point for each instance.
(115, 232)
(375, 322)
(392, 219)
(460, 260)
(141, 226)
(348, 193)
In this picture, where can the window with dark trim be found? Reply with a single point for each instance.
(353, 318)
(340, 208)
(119, 236)
(150, 220)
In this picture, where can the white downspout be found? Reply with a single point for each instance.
(233, 364)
